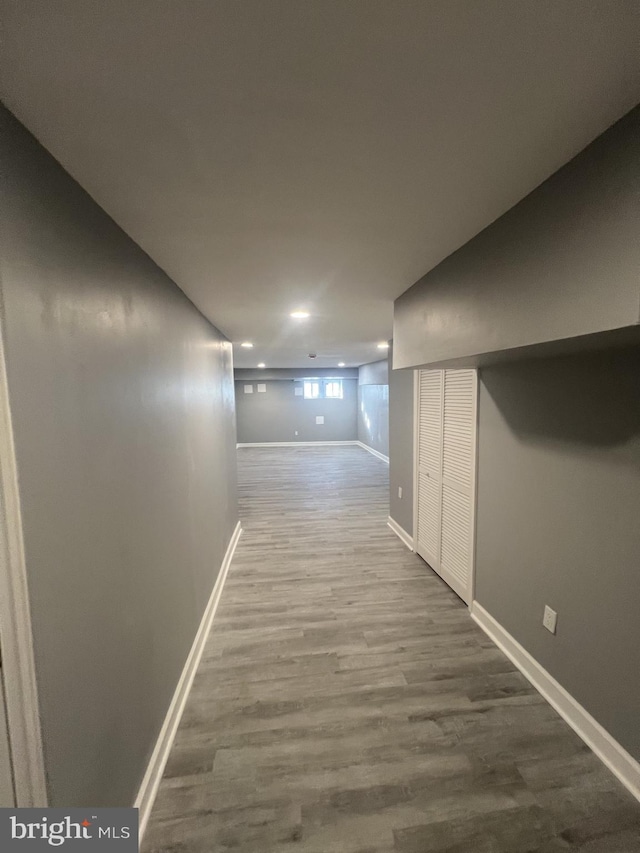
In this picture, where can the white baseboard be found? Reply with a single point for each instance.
(371, 450)
(401, 533)
(294, 443)
(313, 444)
(608, 750)
(151, 781)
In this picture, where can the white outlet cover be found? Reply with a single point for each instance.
(248, 389)
(319, 419)
(400, 491)
(262, 389)
(550, 619)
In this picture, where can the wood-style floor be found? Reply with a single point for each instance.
(346, 702)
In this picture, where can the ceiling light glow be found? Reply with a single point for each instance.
(383, 345)
(341, 364)
(247, 345)
(299, 315)
(262, 364)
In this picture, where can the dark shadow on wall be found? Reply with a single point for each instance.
(590, 399)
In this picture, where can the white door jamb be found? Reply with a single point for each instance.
(18, 665)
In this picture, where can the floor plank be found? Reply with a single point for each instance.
(346, 703)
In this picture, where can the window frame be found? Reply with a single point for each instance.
(322, 386)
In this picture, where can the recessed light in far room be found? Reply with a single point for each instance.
(341, 364)
(383, 345)
(299, 315)
(262, 364)
(247, 345)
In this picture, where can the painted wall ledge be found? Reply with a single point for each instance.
(511, 291)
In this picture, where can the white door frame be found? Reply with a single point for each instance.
(18, 665)
(416, 428)
(474, 487)
(474, 473)
(7, 792)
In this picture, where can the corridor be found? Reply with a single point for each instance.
(347, 702)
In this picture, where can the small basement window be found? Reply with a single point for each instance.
(317, 389)
(311, 389)
(334, 389)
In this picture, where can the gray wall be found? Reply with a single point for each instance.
(277, 414)
(375, 373)
(401, 405)
(373, 405)
(557, 522)
(122, 407)
(560, 265)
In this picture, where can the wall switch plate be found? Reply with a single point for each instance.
(550, 619)
(296, 432)
(320, 419)
(400, 491)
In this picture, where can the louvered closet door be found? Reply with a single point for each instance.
(458, 480)
(446, 449)
(429, 491)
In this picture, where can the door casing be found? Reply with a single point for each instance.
(18, 664)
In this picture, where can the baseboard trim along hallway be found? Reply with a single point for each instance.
(371, 450)
(598, 739)
(401, 533)
(151, 781)
(315, 444)
(297, 443)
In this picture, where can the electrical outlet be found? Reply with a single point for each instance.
(400, 491)
(550, 619)
(296, 432)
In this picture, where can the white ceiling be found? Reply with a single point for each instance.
(276, 154)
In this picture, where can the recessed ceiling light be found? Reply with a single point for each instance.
(383, 345)
(299, 315)
(341, 364)
(262, 364)
(247, 344)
